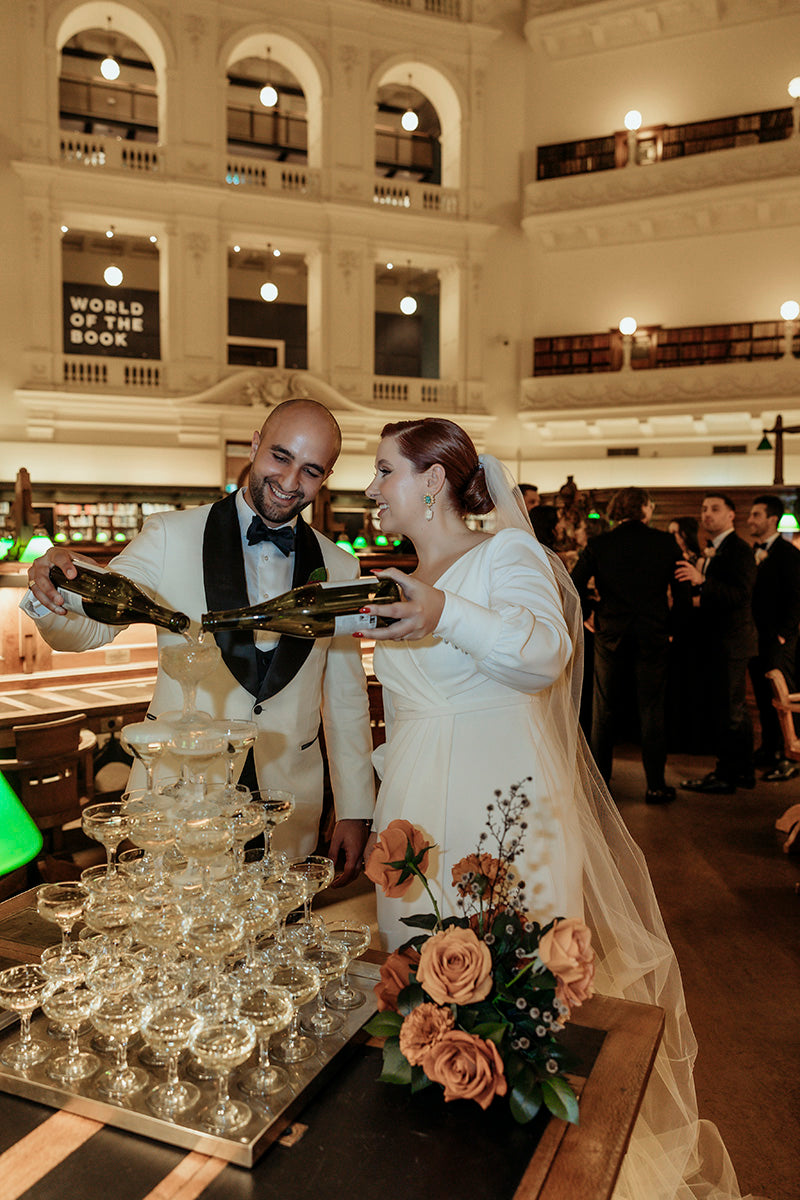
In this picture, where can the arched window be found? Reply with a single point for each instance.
(266, 111)
(107, 87)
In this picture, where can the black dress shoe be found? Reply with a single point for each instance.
(661, 795)
(711, 784)
(783, 769)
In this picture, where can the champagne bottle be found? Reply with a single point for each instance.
(113, 599)
(314, 610)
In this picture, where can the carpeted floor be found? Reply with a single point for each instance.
(729, 899)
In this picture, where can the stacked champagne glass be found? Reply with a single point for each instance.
(194, 948)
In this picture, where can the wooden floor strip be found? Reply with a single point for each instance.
(41, 1150)
(189, 1179)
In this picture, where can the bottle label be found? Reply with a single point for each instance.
(354, 623)
(369, 581)
(31, 606)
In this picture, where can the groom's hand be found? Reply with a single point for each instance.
(348, 842)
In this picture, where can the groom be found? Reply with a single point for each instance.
(239, 551)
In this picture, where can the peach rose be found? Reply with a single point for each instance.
(394, 975)
(467, 1067)
(566, 951)
(391, 847)
(424, 1026)
(479, 864)
(455, 967)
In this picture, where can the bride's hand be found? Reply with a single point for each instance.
(415, 617)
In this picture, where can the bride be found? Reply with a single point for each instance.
(477, 673)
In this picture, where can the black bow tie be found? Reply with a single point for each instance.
(283, 537)
(761, 545)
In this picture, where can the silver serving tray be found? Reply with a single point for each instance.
(244, 1147)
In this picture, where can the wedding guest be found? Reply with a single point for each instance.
(545, 520)
(632, 568)
(684, 530)
(530, 494)
(722, 583)
(776, 611)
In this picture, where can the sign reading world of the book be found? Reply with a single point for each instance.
(114, 322)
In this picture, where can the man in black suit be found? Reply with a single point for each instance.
(776, 611)
(723, 585)
(632, 567)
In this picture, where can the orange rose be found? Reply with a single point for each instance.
(467, 1067)
(479, 864)
(394, 977)
(424, 1026)
(455, 967)
(566, 951)
(391, 847)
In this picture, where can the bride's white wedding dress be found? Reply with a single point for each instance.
(466, 713)
(485, 703)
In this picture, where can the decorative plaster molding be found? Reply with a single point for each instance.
(196, 29)
(644, 391)
(35, 232)
(347, 262)
(565, 28)
(198, 245)
(349, 57)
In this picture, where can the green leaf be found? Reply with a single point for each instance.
(318, 575)
(490, 1031)
(420, 921)
(526, 1098)
(560, 1099)
(409, 998)
(384, 1024)
(419, 1080)
(396, 1068)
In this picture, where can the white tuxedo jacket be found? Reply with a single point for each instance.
(192, 561)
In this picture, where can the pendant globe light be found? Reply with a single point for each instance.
(408, 304)
(409, 119)
(109, 67)
(269, 289)
(268, 94)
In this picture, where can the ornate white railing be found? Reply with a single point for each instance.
(390, 391)
(128, 374)
(416, 197)
(286, 178)
(114, 153)
(454, 10)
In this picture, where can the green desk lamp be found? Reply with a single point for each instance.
(20, 840)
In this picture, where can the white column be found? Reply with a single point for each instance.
(193, 287)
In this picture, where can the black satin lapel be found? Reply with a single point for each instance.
(226, 587)
(292, 652)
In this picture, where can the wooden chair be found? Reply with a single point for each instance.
(787, 704)
(53, 773)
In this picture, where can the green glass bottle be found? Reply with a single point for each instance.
(313, 610)
(113, 599)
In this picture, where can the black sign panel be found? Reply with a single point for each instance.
(111, 322)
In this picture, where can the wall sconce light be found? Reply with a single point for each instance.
(794, 91)
(627, 328)
(633, 122)
(790, 310)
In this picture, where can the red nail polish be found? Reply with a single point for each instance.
(358, 635)
(363, 610)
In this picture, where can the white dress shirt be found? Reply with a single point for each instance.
(267, 570)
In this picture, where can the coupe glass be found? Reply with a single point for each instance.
(22, 989)
(65, 969)
(249, 820)
(153, 832)
(63, 903)
(316, 871)
(278, 807)
(101, 880)
(188, 663)
(168, 1031)
(110, 914)
(212, 936)
(108, 824)
(71, 1007)
(112, 979)
(196, 746)
(356, 936)
(270, 1010)
(219, 1045)
(260, 917)
(119, 1018)
(302, 982)
(239, 737)
(202, 839)
(330, 958)
(289, 894)
(147, 741)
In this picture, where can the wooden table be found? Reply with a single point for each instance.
(108, 703)
(48, 1155)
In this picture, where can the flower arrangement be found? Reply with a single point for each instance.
(476, 1002)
